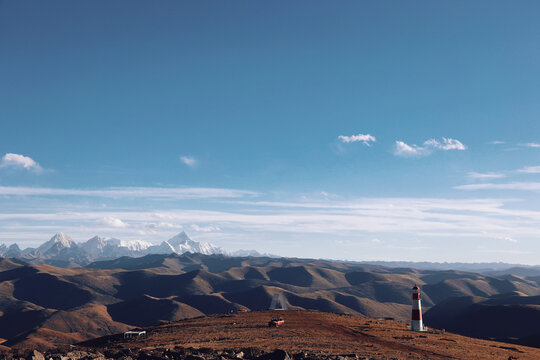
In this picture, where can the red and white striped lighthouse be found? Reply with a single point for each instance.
(416, 323)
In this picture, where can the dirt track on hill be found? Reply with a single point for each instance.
(317, 333)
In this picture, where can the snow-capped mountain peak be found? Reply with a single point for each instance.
(12, 250)
(58, 241)
(182, 243)
(132, 245)
(111, 247)
(62, 248)
(94, 246)
(180, 239)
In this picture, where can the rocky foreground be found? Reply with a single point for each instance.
(305, 335)
(178, 353)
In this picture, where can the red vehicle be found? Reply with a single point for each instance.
(276, 322)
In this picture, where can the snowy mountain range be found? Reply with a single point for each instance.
(61, 250)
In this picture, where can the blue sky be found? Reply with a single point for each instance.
(357, 130)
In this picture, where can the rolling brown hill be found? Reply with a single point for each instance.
(50, 305)
(512, 317)
(305, 334)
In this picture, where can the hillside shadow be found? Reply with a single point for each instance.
(295, 275)
(17, 322)
(50, 292)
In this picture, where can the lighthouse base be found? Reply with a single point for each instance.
(417, 325)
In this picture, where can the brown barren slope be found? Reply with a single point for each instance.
(316, 333)
(49, 306)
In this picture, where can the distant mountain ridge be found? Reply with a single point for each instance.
(491, 268)
(62, 251)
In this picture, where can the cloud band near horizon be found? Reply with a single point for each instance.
(129, 192)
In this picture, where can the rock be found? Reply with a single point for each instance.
(36, 355)
(76, 355)
(239, 355)
(252, 353)
(275, 355)
(148, 356)
(194, 357)
(97, 356)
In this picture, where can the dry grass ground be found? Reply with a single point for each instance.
(317, 333)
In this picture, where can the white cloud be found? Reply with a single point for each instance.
(502, 251)
(485, 176)
(111, 222)
(129, 192)
(497, 142)
(498, 175)
(366, 139)
(163, 225)
(530, 170)
(403, 149)
(509, 239)
(532, 145)
(523, 186)
(406, 150)
(19, 161)
(188, 160)
(446, 144)
(209, 228)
